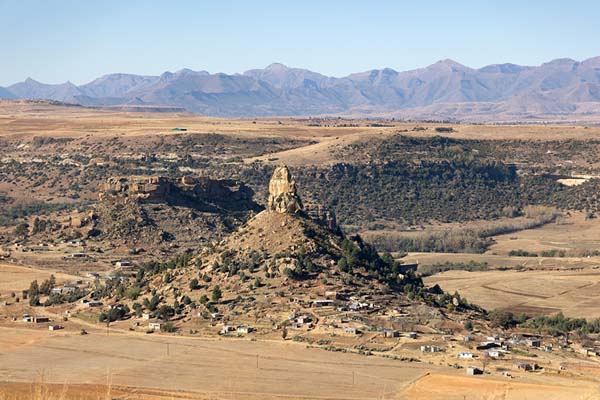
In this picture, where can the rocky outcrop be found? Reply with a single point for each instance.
(322, 215)
(187, 191)
(283, 195)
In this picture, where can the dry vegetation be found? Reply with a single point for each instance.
(482, 193)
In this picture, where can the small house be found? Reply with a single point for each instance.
(69, 288)
(533, 342)
(78, 255)
(331, 294)
(322, 303)
(146, 316)
(471, 370)
(154, 326)
(227, 328)
(493, 353)
(411, 335)
(38, 319)
(303, 319)
(390, 333)
(465, 355)
(244, 329)
(123, 264)
(430, 349)
(55, 327)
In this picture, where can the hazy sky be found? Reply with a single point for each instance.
(56, 41)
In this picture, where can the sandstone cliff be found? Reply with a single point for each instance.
(283, 194)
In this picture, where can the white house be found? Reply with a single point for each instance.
(154, 325)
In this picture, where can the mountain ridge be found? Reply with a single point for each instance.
(446, 89)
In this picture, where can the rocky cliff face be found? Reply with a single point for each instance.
(194, 192)
(283, 195)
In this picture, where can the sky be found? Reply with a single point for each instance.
(54, 41)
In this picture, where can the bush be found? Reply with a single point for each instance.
(216, 294)
(168, 327)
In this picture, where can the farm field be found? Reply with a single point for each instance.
(200, 369)
(575, 293)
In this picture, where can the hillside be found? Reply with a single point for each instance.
(562, 89)
(280, 261)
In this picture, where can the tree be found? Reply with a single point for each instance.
(34, 289)
(34, 301)
(194, 284)
(203, 299)
(284, 333)
(47, 285)
(165, 312)
(168, 327)
(21, 231)
(216, 294)
(468, 325)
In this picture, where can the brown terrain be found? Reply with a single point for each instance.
(128, 193)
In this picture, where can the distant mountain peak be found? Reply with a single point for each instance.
(445, 89)
(277, 66)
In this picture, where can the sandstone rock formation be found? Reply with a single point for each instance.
(283, 196)
(160, 189)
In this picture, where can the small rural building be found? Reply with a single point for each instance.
(227, 329)
(123, 264)
(27, 318)
(55, 327)
(303, 319)
(465, 355)
(430, 349)
(351, 330)
(244, 329)
(411, 335)
(390, 333)
(533, 342)
(39, 319)
(322, 303)
(94, 304)
(331, 294)
(146, 316)
(493, 353)
(471, 370)
(78, 255)
(69, 288)
(154, 325)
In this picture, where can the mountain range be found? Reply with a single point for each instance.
(559, 89)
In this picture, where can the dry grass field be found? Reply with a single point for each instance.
(574, 233)
(173, 367)
(25, 119)
(575, 293)
(14, 277)
(531, 284)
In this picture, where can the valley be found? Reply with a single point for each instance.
(238, 256)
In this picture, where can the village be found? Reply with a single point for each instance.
(369, 325)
